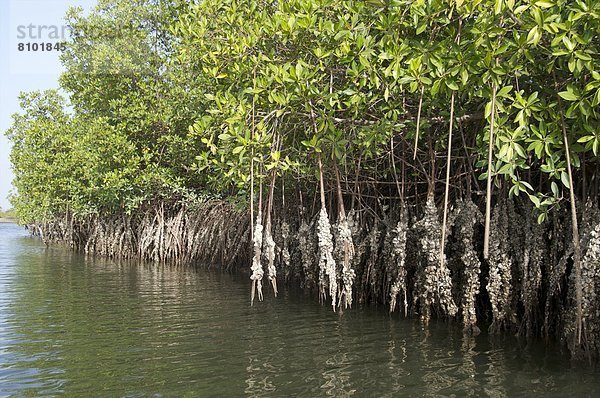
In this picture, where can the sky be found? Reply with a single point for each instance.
(27, 22)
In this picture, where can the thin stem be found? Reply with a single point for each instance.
(321, 185)
(342, 209)
(488, 199)
(393, 160)
(418, 121)
(446, 193)
(252, 162)
(575, 232)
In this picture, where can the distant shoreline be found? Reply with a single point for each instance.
(4, 220)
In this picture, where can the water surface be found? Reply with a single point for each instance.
(72, 325)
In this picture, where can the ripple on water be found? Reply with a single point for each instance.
(79, 326)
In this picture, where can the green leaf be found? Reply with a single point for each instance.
(503, 92)
(568, 95)
(498, 6)
(507, 169)
(534, 35)
(541, 218)
(527, 185)
(520, 151)
(425, 80)
(564, 177)
(464, 76)
(554, 188)
(341, 34)
(535, 200)
(544, 4)
(568, 43)
(521, 8)
(452, 85)
(586, 138)
(299, 70)
(413, 86)
(435, 88)
(532, 98)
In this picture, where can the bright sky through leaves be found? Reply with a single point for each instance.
(26, 21)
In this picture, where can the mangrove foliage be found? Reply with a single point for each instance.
(440, 157)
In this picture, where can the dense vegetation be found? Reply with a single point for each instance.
(368, 115)
(10, 214)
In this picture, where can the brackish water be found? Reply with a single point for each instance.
(72, 325)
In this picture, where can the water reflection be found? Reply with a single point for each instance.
(337, 367)
(77, 325)
(398, 355)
